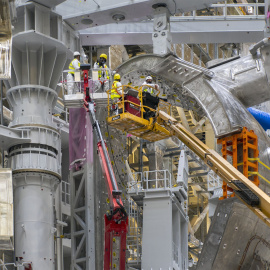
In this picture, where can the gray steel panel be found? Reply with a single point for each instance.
(12, 136)
(101, 12)
(215, 234)
(157, 233)
(182, 32)
(235, 227)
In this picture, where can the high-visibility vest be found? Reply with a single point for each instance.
(101, 74)
(146, 90)
(71, 67)
(114, 93)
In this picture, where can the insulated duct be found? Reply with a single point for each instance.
(262, 117)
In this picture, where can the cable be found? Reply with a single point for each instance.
(248, 245)
(97, 4)
(174, 7)
(123, 185)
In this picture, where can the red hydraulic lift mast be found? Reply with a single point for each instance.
(116, 222)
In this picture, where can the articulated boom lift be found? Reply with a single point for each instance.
(116, 222)
(162, 125)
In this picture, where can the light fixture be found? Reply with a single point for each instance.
(86, 21)
(118, 17)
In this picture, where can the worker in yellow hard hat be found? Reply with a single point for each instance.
(103, 74)
(116, 93)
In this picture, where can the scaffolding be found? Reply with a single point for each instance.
(242, 146)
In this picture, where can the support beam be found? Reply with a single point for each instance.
(191, 32)
(84, 14)
(200, 219)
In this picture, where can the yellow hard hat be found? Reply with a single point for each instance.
(117, 76)
(103, 55)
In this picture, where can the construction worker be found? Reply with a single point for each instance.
(103, 75)
(116, 93)
(150, 99)
(150, 87)
(73, 66)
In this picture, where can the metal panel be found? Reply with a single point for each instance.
(6, 209)
(101, 12)
(5, 40)
(82, 219)
(232, 226)
(191, 32)
(182, 174)
(157, 242)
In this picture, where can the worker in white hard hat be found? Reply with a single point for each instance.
(150, 99)
(73, 66)
(116, 93)
(103, 75)
(150, 87)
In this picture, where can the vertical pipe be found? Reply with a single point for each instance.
(2, 119)
(2, 113)
(141, 155)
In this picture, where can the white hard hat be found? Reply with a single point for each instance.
(149, 78)
(76, 54)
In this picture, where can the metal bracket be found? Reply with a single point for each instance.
(13, 136)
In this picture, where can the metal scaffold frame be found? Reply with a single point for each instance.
(241, 142)
(82, 223)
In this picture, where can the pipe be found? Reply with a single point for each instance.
(2, 120)
(262, 117)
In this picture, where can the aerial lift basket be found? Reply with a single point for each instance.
(132, 115)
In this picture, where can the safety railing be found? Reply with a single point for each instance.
(157, 179)
(149, 181)
(133, 98)
(120, 93)
(98, 79)
(226, 11)
(65, 192)
(134, 237)
(213, 181)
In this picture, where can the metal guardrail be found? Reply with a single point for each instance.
(94, 81)
(150, 181)
(213, 181)
(65, 192)
(244, 10)
(134, 237)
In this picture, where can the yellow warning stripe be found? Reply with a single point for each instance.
(257, 159)
(250, 173)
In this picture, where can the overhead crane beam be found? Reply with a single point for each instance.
(220, 166)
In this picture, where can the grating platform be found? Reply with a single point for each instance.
(246, 194)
